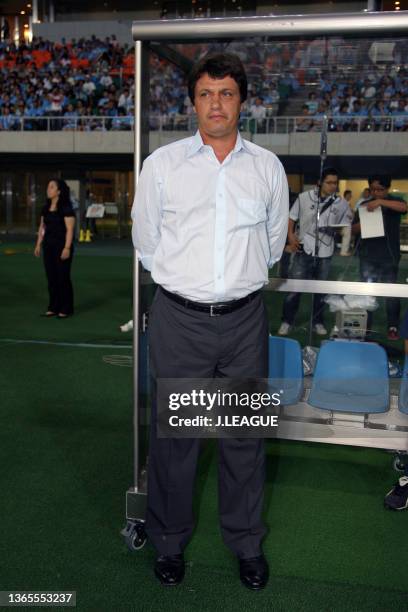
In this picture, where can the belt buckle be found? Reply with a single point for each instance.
(212, 313)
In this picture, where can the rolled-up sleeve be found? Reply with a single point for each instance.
(278, 214)
(146, 214)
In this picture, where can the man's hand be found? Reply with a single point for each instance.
(37, 250)
(293, 243)
(373, 204)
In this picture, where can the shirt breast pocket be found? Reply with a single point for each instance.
(250, 213)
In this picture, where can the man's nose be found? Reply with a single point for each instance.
(215, 100)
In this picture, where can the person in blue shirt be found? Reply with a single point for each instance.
(8, 120)
(312, 102)
(359, 113)
(70, 118)
(379, 113)
(342, 119)
(400, 117)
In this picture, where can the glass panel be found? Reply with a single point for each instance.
(361, 85)
(383, 320)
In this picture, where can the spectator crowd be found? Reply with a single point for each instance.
(371, 101)
(89, 85)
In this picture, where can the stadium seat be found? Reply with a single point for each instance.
(403, 393)
(286, 369)
(351, 377)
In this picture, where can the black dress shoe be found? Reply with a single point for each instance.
(254, 572)
(169, 569)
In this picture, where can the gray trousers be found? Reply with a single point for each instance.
(189, 344)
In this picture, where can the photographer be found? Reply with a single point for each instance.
(312, 261)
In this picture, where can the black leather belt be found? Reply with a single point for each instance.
(214, 310)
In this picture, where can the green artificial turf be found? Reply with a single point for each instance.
(66, 462)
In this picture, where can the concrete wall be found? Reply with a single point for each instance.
(343, 144)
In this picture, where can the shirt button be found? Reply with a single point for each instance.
(219, 276)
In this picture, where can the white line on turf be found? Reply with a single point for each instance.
(72, 344)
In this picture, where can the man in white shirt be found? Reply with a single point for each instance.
(310, 262)
(210, 216)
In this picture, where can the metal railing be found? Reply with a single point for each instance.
(188, 123)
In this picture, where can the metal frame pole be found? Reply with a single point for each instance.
(136, 266)
(358, 24)
(136, 494)
(323, 156)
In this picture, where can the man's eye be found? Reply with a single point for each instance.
(228, 94)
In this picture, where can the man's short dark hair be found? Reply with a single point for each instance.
(347, 192)
(218, 66)
(383, 179)
(329, 172)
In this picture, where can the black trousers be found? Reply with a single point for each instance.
(58, 271)
(189, 344)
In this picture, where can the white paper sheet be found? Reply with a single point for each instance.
(371, 223)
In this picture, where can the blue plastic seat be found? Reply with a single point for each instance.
(403, 394)
(286, 369)
(351, 377)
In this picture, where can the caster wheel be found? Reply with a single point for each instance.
(135, 535)
(398, 464)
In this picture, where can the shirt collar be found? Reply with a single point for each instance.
(333, 196)
(197, 142)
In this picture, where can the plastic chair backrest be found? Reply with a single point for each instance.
(351, 377)
(286, 368)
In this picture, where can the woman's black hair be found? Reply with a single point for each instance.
(64, 198)
(219, 66)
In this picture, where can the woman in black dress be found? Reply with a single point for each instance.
(56, 235)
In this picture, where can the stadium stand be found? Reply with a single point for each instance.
(89, 85)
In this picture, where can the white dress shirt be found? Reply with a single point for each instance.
(208, 230)
(304, 212)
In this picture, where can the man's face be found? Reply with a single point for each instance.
(217, 103)
(377, 190)
(329, 185)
